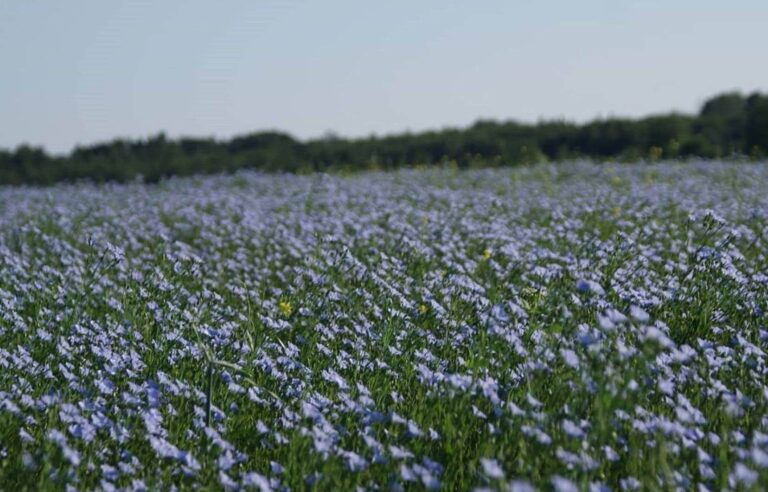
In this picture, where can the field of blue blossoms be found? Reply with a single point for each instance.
(569, 327)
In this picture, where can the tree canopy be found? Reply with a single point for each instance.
(728, 124)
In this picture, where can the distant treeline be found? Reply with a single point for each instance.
(728, 125)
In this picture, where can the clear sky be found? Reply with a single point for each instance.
(78, 72)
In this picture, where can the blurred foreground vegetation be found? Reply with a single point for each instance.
(728, 125)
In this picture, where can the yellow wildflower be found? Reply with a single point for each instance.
(423, 309)
(286, 308)
(487, 254)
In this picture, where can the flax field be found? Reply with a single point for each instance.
(566, 327)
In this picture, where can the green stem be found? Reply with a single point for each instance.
(209, 395)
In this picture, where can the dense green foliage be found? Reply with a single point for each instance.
(727, 125)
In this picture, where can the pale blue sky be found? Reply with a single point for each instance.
(86, 71)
